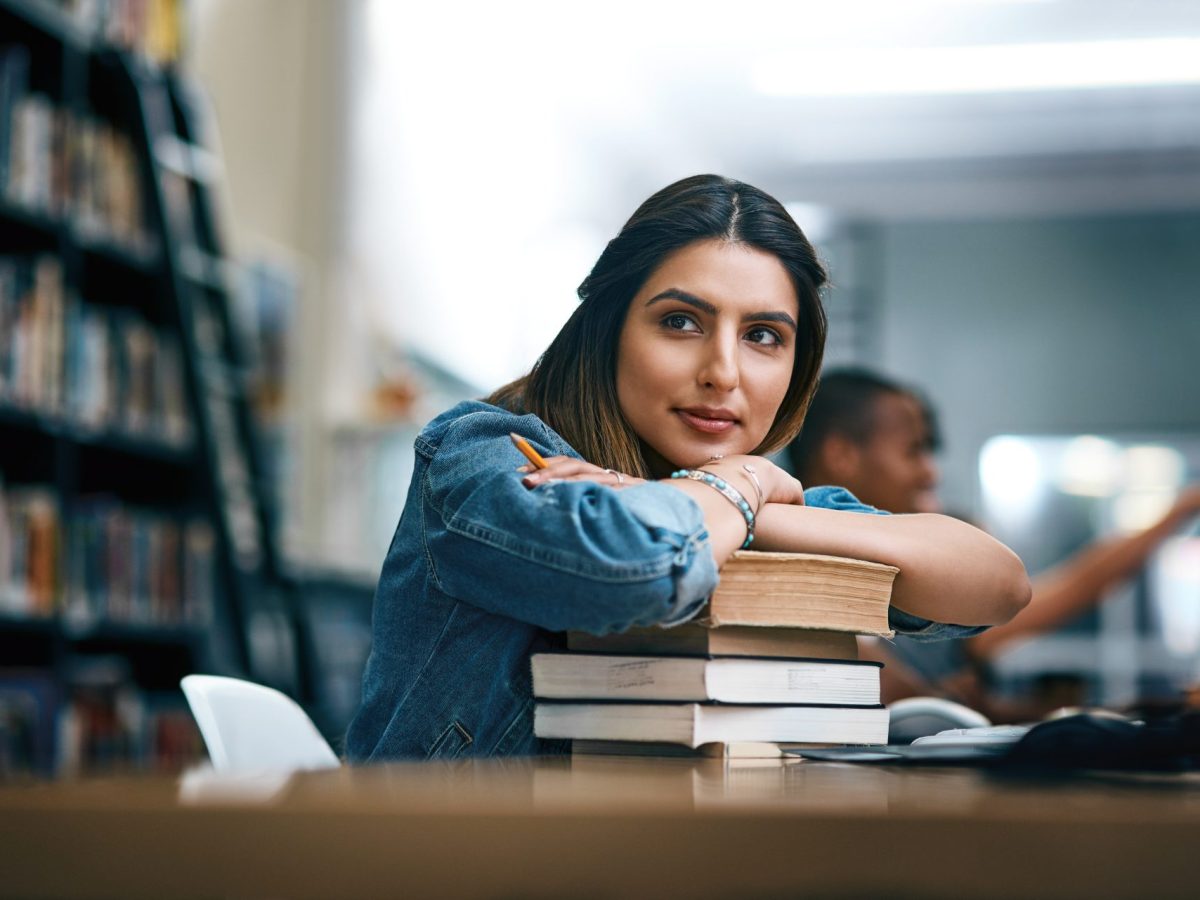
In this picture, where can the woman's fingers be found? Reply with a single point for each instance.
(567, 468)
(787, 489)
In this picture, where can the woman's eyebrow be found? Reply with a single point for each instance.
(683, 297)
(781, 317)
(704, 306)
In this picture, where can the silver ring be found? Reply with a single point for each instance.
(716, 457)
(617, 475)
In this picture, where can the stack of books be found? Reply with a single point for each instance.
(772, 661)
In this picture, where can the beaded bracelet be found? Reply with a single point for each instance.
(726, 490)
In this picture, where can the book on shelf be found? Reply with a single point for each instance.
(694, 724)
(98, 721)
(153, 29)
(100, 368)
(100, 561)
(731, 640)
(58, 163)
(108, 723)
(31, 332)
(29, 706)
(136, 567)
(583, 676)
(5, 546)
(29, 583)
(14, 84)
(802, 590)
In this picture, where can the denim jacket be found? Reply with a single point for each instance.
(483, 572)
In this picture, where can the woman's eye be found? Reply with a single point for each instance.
(764, 336)
(679, 322)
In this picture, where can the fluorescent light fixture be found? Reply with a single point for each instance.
(1011, 476)
(1091, 467)
(1154, 467)
(989, 68)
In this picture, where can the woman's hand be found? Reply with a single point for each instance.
(567, 468)
(777, 485)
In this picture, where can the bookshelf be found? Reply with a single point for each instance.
(136, 537)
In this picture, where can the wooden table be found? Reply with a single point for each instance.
(603, 827)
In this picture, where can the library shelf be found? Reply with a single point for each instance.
(129, 468)
(33, 219)
(54, 427)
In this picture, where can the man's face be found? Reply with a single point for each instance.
(895, 469)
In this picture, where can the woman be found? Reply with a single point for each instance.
(695, 350)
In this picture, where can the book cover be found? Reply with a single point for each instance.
(730, 640)
(694, 724)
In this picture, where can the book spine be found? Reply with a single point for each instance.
(14, 83)
(129, 565)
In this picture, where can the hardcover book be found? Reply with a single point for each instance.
(802, 590)
(693, 724)
(582, 676)
(730, 640)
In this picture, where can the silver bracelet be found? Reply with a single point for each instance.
(757, 486)
(726, 490)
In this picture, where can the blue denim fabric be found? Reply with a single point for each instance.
(483, 572)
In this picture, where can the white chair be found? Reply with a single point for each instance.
(251, 728)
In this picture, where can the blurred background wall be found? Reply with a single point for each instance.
(1056, 326)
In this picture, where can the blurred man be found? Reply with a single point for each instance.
(877, 438)
(873, 437)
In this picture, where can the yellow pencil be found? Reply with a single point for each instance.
(530, 454)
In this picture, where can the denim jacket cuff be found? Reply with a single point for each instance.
(921, 629)
(668, 511)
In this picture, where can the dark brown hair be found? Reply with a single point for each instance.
(573, 387)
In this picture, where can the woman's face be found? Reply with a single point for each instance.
(706, 353)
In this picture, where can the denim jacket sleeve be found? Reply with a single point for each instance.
(914, 627)
(568, 555)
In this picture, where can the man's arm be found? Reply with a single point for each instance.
(1081, 581)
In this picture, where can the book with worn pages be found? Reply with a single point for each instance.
(802, 590)
(730, 640)
(586, 676)
(693, 724)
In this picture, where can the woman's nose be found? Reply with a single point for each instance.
(720, 368)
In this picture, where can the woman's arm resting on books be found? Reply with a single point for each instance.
(725, 525)
(949, 570)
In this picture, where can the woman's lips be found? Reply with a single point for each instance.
(704, 423)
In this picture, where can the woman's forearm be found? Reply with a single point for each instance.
(949, 570)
